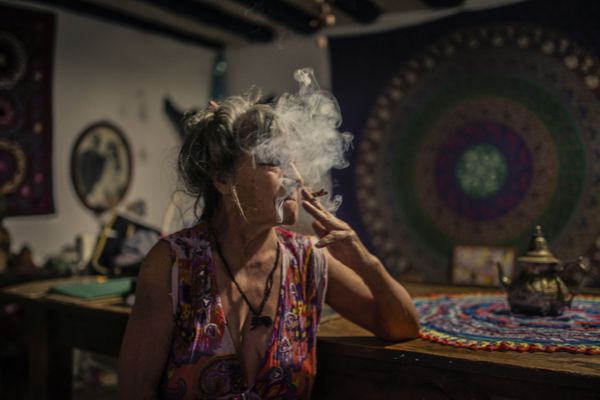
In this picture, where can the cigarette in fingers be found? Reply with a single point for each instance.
(320, 193)
(314, 195)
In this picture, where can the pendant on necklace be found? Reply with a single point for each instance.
(259, 320)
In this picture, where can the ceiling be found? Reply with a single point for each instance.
(228, 23)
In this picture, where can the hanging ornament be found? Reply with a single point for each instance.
(326, 19)
(219, 87)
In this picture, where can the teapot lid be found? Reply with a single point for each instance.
(538, 250)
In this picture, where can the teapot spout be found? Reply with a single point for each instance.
(504, 280)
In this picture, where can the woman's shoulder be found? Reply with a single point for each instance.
(198, 232)
(159, 254)
(186, 240)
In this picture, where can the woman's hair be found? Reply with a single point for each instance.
(215, 137)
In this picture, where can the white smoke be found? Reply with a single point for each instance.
(306, 135)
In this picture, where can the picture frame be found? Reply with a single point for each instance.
(110, 244)
(476, 265)
(101, 166)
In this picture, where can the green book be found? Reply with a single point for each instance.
(94, 289)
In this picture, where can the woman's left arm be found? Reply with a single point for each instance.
(359, 286)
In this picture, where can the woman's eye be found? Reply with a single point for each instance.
(270, 164)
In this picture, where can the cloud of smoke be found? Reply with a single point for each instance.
(305, 137)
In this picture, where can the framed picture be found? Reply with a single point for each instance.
(101, 166)
(476, 265)
(122, 245)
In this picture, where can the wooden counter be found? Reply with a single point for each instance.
(355, 365)
(352, 363)
(58, 325)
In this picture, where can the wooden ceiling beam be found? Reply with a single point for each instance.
(214, 16)
(438, 4)
(113, 15)
(363, 11)
(284, 13)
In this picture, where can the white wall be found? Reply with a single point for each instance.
(271, 66)
(107, 71)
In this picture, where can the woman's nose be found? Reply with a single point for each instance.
(296, 174)
(290, 183)
(296, 178)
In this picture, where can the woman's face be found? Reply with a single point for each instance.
(267, 195)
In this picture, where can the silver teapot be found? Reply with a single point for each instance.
(539, 287)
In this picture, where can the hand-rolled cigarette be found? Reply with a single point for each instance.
(320, 193)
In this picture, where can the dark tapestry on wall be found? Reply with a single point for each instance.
(26, 47)
(472, 130)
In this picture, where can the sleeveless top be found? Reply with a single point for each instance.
(203, 363)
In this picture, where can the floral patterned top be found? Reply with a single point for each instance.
(203, 363)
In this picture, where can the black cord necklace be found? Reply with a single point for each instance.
(257, 318)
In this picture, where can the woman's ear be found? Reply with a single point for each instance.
(222, 182)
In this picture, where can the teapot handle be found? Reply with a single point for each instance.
(585, 270)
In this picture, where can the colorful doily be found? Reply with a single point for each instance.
(484, 322)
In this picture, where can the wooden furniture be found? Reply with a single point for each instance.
(355, 365)
(12, 278)
(352, 363)
(58, 325)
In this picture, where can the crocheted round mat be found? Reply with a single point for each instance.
(484, 321)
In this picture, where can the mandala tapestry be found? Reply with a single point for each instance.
(26, 46)
(472, 131)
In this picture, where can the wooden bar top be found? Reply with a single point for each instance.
(38, 292)
(338, 335)
(342, 336)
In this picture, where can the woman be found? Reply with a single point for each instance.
(229, 308)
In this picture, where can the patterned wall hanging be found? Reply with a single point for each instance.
(26, 46)
(486, 129)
